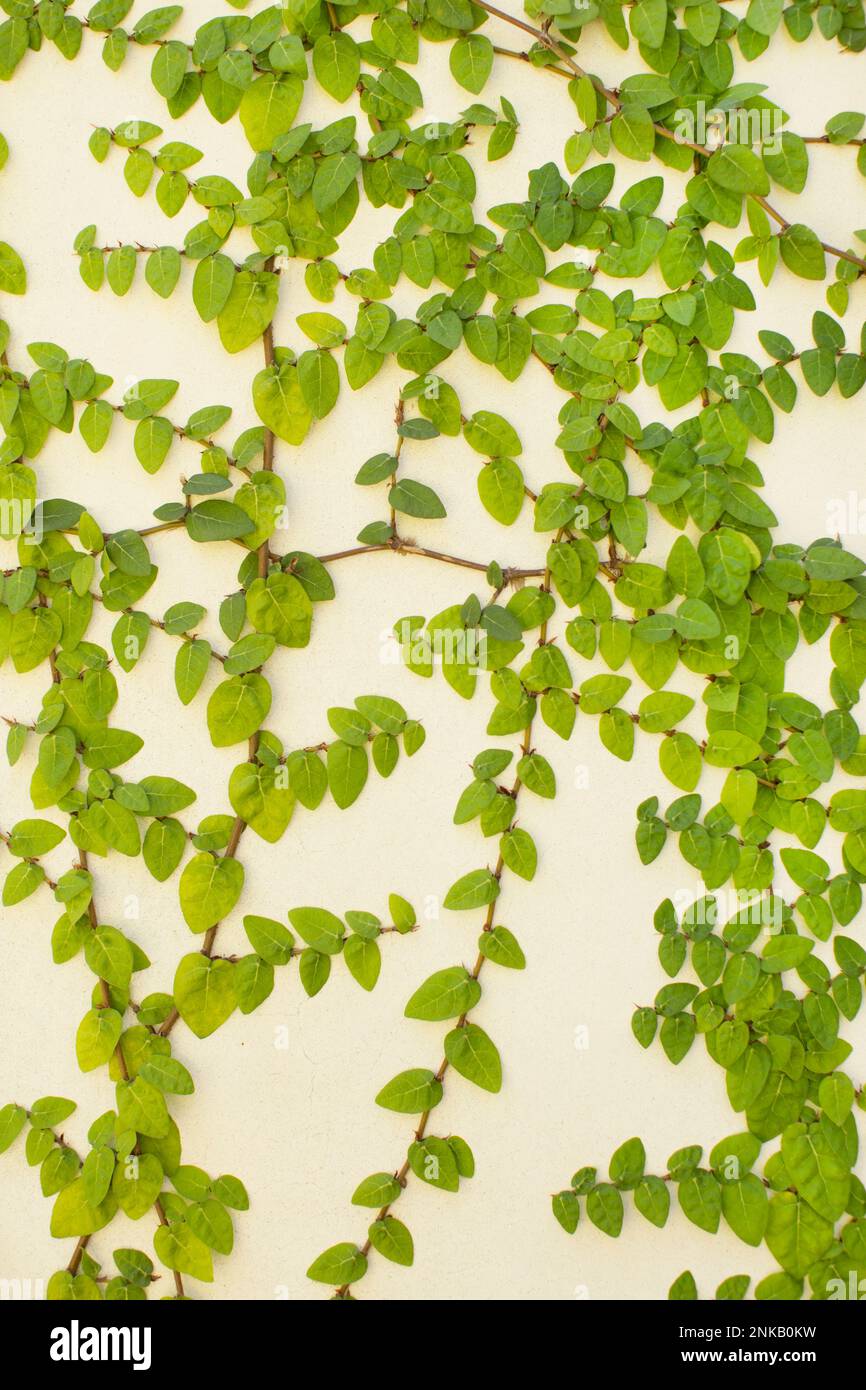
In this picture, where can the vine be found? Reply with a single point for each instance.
(728, 601)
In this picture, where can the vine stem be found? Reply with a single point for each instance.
(103, 984)
(264, 556)
(163, 526)
(74, 1263)
(612, 99)
(403, 1172)
(163, 1221)
(409, 548)
(268, 459)
(399, 547)
(81, 1246)
(52, 655)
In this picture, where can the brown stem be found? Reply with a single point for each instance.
(103, 984)
(79, 1250)
(404, 1171)
(409, 548)
(124, 1072)
(163, 526)
(264, 555)
(52, 655)
(157, 623)
(268, 460)
(163, 1221)
(238, 827)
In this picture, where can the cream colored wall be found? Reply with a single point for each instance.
(299, 1125)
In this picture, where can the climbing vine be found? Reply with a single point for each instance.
(549, 283)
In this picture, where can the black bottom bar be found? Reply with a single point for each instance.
(214, 1338)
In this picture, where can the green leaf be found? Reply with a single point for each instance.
(471, 61)
(280, 403)
(337, 64)
(254, 982)
(110, 748)
(537, 775)
(347, 767)
(209, 889)
(472, 1053)
(12, 1120)
(502, 947)
(445, 994)
(190, 668)
(268, 108)
(701, 1201)
(49, 1111)
(217, 520)
(745, 1208)
(308, 778)
(258, 799)
(819, 1174)
(738, 169)
(319, 928)
(411, 1092)
(211, 1223)
(789, 165)
(684, 1288)
(211, 286)
(802, 252)
(335, 174)
(13, 277)
(250, 305)
(20, 882)
(325, 330)
(204, 993)
(162, 270)
(237, 708)
(439, 1162)
(314, 968)
(31, 838)
(178, 1247)
(604, 1208)
(35, 632)
(136, 1186)
(163, 847)
(97, 1036)
(501, 489)
(474, 889)
(653, 1200)
(319, 381)
(566, 1209)
(415, 499)
(364, 961)
(109, 955)
(491, 435)
(280, 606)
(796, 1235)
(627, 1163)
(339, 1265)
(97, 1172)
(269, 939)
(632, 131)
(393, 1240)
(378, 1190)
(73, 1215)
(836, 1095)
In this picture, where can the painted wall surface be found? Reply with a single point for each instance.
(298, 1122)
